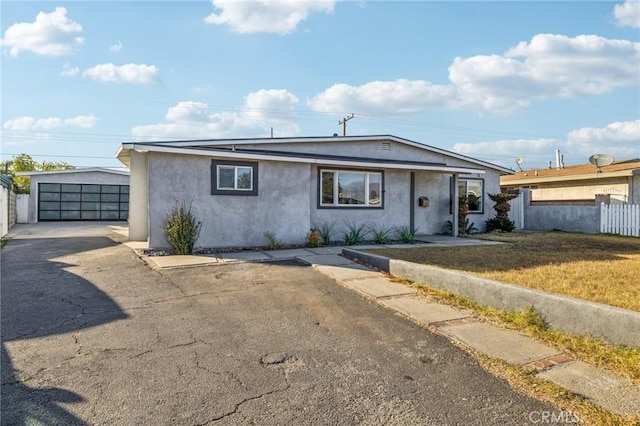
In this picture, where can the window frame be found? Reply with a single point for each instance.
(217, 164)
(465, 180)
(336, 172)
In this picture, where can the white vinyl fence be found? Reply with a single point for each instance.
(516, 214)
(623, 219)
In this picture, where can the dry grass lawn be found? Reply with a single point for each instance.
(599, 268)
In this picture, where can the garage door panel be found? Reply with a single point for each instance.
(110, 215)
(70, 215)
(66, 187)
(50, 196)
(91, 188)
(82, 202)
(73, 196)
(69, 206)
(90, 197)
(50, 215)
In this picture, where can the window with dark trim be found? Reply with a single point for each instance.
(234, 177)
(350, 188)
(473, 189)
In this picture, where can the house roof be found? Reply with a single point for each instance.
(572, 173)
(220, 147)
(82, 170)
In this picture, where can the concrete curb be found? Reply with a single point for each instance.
(616, 325)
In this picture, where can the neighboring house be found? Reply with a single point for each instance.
(583, 184)
(78, 194)
(242, 188)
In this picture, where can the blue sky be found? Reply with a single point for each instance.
(492, 80)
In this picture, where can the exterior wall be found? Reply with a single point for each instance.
(618, 188)
(395, 211)
(398, 205)
(566, 218)
(139, 198)
(436, 187)
(287, 200)
(635, 189)
(94, 177)
(281, 206)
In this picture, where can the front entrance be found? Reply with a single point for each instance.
(65, 201)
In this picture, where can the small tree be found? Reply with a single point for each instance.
(181, 229)
(501, 222)
(25, 163)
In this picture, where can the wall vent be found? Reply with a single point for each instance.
(386, 146)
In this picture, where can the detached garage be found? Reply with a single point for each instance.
(78, 194)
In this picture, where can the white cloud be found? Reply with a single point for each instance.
(20, 123)
(82, 121)
(620, 139)
(620, 131)
(270, 105)
(627, 14)
(266, 16)
(263, 110)
(69, 71)
(549, 66)
(50, 34)
(30, 123)
(554, 66)
(116, 47)
(383, 97)
(129, 73)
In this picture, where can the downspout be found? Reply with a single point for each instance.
(412, 201)
(456, 206)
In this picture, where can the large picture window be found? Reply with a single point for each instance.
(350, 188)
(473, 189)
(234, 178)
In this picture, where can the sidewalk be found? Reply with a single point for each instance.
(614, 394)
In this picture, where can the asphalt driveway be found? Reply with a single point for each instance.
(92, 335)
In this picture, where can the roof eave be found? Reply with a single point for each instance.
(319, 161)
(220, 142)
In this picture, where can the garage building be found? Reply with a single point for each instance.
(90, 194)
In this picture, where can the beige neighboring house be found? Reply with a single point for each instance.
(582, 184)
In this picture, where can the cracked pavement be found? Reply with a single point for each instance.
(92, 335)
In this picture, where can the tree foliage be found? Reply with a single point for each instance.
(26, 163)
(501, 222)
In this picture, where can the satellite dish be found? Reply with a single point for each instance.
(519, 160)
(601, 160)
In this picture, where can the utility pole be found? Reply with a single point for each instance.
(343, 122)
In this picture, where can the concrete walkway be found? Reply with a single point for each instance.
(614, 394)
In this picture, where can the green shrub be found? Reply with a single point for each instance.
(355, 234)
(381, 234)
(181, 229)
(326, 231)
(500, 224)
(273, 243)
(406, 234)
(464, 228)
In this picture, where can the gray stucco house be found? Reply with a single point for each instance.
(242, 188)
